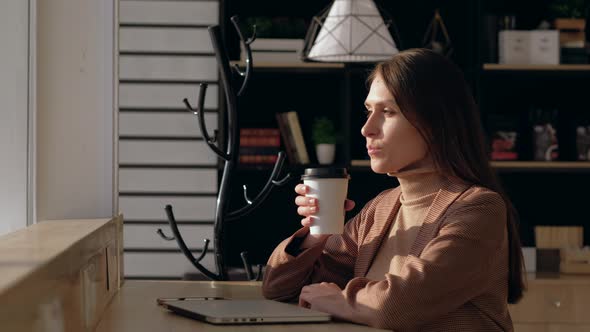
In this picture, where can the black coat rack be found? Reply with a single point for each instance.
(230, 79)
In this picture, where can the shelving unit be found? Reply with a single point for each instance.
(510, 97)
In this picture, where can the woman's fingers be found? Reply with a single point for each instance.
(307, 210)
(306, 201)
(301, 189)
(348, 204)
(305, 296)
(309, 205)
(303, 299)
(307, 222)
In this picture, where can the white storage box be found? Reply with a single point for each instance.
(513, 47)
(529, 47)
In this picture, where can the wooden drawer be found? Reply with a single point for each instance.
(553, 303)
(99, 284)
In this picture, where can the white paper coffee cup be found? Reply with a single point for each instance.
(330, 187)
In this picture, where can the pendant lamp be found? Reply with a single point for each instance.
(349, 31)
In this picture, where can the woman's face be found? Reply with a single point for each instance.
(393, 143)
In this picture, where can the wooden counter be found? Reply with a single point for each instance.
(66, 276)
(59, 275)
(551, 304)
(134, 309)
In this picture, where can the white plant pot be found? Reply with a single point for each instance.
(325, 153)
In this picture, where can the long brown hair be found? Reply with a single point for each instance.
(433, 95)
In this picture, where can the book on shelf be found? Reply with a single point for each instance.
(265, 137)
(288, 141)
(259, 146)
(258, 159)
(293, 121)
(293, 136)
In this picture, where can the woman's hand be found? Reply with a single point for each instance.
(308, 206)
(328, 297)
(325, 297)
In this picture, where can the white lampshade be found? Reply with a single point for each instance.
(353, 31)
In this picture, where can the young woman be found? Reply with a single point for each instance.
(441, 252)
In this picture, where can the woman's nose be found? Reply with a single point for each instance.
(368, 128)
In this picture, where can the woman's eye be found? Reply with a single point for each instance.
(367, 113)
(388, 112)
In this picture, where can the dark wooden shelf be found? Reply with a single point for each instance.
(513, 67)
(292, 66)
(520, 166)
(541, 166)
(360, 163)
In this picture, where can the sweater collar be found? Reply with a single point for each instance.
(417, 183)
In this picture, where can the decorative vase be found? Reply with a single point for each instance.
(325, 153)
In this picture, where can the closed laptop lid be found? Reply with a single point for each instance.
(226, 311)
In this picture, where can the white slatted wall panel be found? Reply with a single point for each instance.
(165, 51)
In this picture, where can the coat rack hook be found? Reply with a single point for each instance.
(164, 236)
(204, 252)
(247, 50)
(283, 181)
(185, 250)
(259, 273)
(190, 107)
(237, 69)
(247, 267)
(264, 192)
(246, 195)
(200, 112)
(253, 37)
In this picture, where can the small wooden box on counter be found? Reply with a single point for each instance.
(562, 245)
(549, 237)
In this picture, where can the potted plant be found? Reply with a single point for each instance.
(324, 138)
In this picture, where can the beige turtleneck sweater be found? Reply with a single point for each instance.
(419, 187)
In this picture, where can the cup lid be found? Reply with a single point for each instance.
(325, 172)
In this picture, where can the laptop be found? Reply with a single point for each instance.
(232, 311)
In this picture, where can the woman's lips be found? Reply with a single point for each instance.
(372, 151)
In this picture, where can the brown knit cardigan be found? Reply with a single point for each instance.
(454, 279)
